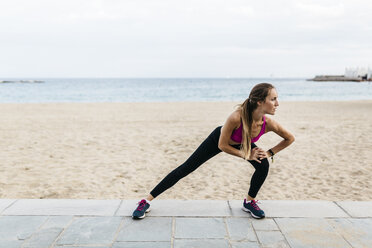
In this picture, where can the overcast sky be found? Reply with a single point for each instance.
(190, 38)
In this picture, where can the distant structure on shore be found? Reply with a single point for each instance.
(351, 74)
(21, 81)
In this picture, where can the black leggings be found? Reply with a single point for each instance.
(205, 151)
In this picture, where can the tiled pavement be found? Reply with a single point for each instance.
(58, 223)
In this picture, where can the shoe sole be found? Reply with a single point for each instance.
(141, 217)
(249, 211)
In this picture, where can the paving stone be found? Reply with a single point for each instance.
(63, 207)
(43, 239)
(127, 207)
(306, 230)
(200, 228)
(279, 208)
(357, 208)
(310, 232)
(358, 232)
(147, 229)
(57, 221)
(265, 224)
(4, 203)
(245, 244)
(201, 243)
(48, 233)
(15, 228)
(81, 246)
(142, 245)
(11, 243)
(236, 209)
(90, 230)
(240, 229)
(190, 208)
(272, 239)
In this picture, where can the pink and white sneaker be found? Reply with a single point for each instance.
(252, 208)
(143, 207)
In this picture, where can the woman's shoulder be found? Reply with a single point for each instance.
(276, 127)
(269, 123)
(272, 125)
(236, 115)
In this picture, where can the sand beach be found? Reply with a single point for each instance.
(122, 150)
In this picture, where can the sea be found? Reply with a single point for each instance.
(175, 90)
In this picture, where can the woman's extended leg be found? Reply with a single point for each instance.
(205, 151)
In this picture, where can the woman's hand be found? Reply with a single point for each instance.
(258, 154)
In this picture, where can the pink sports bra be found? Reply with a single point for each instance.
(237, 134)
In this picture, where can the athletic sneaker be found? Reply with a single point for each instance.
(143, 207)
(252, 208)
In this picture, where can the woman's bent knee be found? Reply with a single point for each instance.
(264, 165)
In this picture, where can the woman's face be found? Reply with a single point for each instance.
(271, 103)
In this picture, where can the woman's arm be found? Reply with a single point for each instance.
(274, 126)
(223, 144)
(231, 123)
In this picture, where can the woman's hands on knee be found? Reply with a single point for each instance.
(257, 154)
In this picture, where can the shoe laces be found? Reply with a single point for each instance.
(254, 204)
(141, 205)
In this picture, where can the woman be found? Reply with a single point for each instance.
(236, 137)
